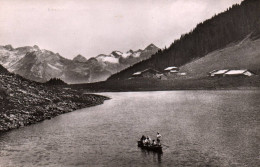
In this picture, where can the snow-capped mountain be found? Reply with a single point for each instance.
(41, 65)
(10, 56)
(117, 61)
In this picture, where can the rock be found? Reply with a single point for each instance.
(30, 102)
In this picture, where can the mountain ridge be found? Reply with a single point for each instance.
(41, 65)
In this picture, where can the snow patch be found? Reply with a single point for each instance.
(53, 67)
(119, 53)
(58, 64)
(127, 54)
(111, 60)
(9, 58)
(137, 54)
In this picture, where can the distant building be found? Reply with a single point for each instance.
(217, 73)
(137, 74)
(239, 73)
(224, 73)
(149, 73)
(211, 72)
(171, 70)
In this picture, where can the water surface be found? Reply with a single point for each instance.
(199, 128)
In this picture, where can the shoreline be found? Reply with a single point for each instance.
(158, 90)
(22, 119)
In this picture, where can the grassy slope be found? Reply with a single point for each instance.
(242, 55)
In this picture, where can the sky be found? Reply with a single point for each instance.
(93, 27)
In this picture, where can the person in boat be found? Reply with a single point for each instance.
(146, 141)
(159, 136)
(154, 143)
(149, 140)
(143, 138)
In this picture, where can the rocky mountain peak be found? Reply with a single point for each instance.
(9, 47)
(130, 51)
(116, 54)
(92, 60)
(36, 47)
(80, 58)
(151, 46)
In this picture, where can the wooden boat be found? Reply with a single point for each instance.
(154, 148)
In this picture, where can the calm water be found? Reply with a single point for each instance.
(200, 128)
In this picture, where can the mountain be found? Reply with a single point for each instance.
(233, 25)
(41, 65)
(9, 56)
(80, 58)
(117, 61)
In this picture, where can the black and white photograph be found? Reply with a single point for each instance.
(129, 83)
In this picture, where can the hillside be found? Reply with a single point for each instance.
(231, 26)
(23, 102)
(241, 55)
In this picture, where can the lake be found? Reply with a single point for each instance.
(198, 128)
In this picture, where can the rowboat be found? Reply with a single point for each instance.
(155, 148)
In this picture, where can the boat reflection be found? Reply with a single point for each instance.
(157, 157)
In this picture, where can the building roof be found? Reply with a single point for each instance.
(137, 73)
(170, 68)
(232, 72)
(235, 72)
(219, 72)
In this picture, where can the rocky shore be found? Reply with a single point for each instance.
(23, 102)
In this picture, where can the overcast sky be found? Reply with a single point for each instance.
(92, 27)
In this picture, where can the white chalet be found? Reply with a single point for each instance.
(217, 73)
(224, 73)
(239, 73)
(171, 70)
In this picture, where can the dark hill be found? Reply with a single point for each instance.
(233, 25)
(3, 70)
(55, 81)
